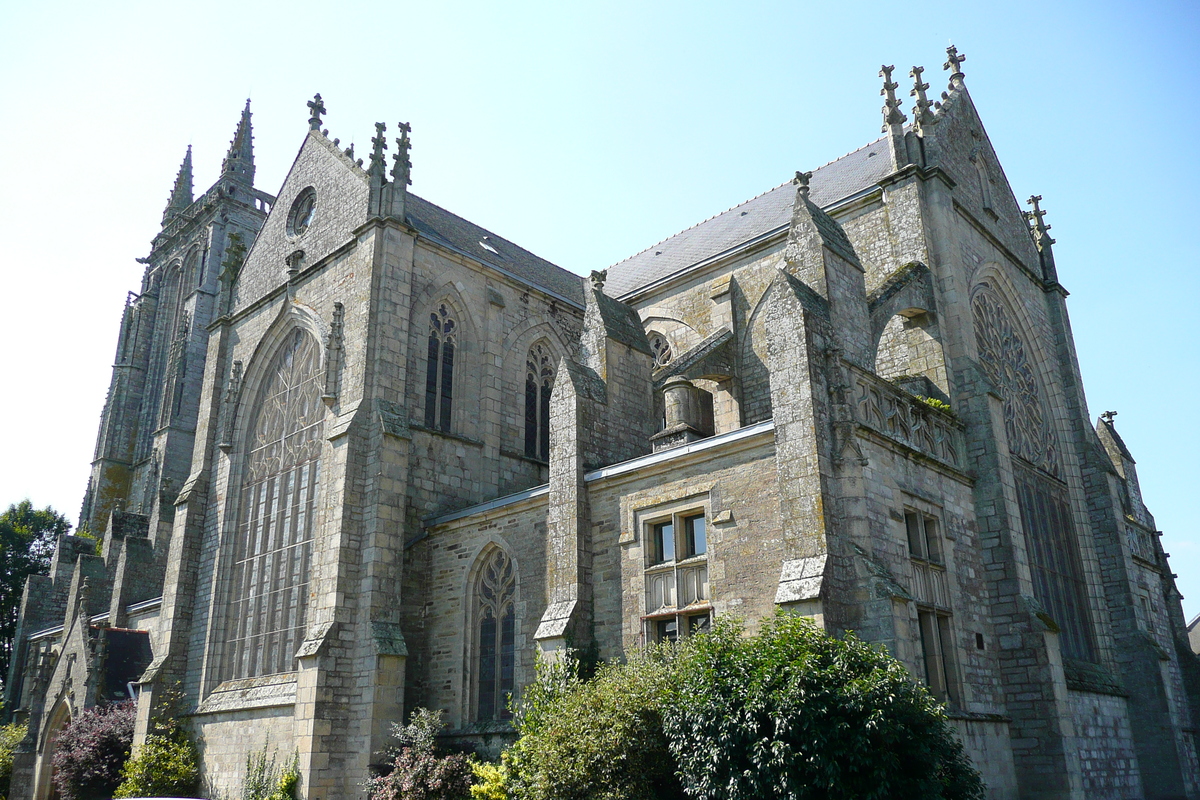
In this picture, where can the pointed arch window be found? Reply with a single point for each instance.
(269, 597)
(439, 374)
(495, 631)
(539, 382)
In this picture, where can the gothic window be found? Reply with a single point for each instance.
(270, 574)
(1005, 360)
(1054, 562)
(930, 588)
(495, 629)
(661, 349)
(439, 373)
(539, 381)
(677, 597)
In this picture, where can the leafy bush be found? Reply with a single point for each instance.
(600, 739)
(491, 780)
(418, 771)
(794, 713)
(161, 767)
(91, 750)
(10, 736)
(166, 765)
(266, 781)
(933, 402)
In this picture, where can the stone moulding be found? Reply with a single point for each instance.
(265, 692)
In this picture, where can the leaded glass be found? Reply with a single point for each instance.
(539, 382)
(269, 597)
(495, 610)
(439, 372)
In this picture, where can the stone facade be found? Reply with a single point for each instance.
(361, 456)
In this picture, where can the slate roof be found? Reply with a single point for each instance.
(439, 224)
(770, 211)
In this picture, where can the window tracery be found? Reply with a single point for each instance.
(539, 383)
(495, 629)
(269, 597)
(439, 374)
(1005, 360)
(661, 349)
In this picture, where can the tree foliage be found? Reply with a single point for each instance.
(10, 736)
(791, 713)
(91, 750)
(602, 738)
(166, 764)
(794, 713)
(27, 537)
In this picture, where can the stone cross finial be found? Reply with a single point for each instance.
(892, 115)
(379, 141)
(801, 181)
(403, 166)
(318, 108)
(1037, 223)
(954, 63)
(598, 277)
(1107, 416)
(921, 113)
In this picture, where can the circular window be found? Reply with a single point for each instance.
(301, 215)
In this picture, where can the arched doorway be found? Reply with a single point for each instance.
(59, 719)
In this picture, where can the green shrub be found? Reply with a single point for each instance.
(794, 713)
(596, 740)
(10, 736)
(162, 767)
(491, 780)
(933, 402)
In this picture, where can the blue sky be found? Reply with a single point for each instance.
(587, 132)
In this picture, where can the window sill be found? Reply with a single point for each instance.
(267, 691)
(446, 434)
(666, 613)
(504, 451)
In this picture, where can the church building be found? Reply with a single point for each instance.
(360, 455)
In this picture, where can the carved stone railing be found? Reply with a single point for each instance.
(898, 415)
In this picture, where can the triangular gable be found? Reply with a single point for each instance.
(342, 192)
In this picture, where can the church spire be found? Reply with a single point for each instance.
(181, 194)
(239, 161)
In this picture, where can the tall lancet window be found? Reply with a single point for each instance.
(270, 574)
(539, 382)
(439, 374)
(495, 647)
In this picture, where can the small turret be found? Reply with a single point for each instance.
(239, 161)
(181, 194)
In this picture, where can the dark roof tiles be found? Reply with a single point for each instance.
(768, 212)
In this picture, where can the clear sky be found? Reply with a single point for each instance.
(586, 132)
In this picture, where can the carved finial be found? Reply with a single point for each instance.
(892, 115)
(598, 277)
(378, 143)
(954, 64)
(318, 108)
(1107, 416)
(801, 181)
(1037, 223)
(922, 115)
(349, 151)
(402, 168)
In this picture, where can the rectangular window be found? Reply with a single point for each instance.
(924, 542)
(676, 591)
(695, 544)
(937, 649)
(663, 545)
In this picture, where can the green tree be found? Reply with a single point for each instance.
(794, 713)
(27, 538)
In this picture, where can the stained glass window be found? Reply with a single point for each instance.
(539, 382)
(439, 373)
(496, 657)
(269, 597)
